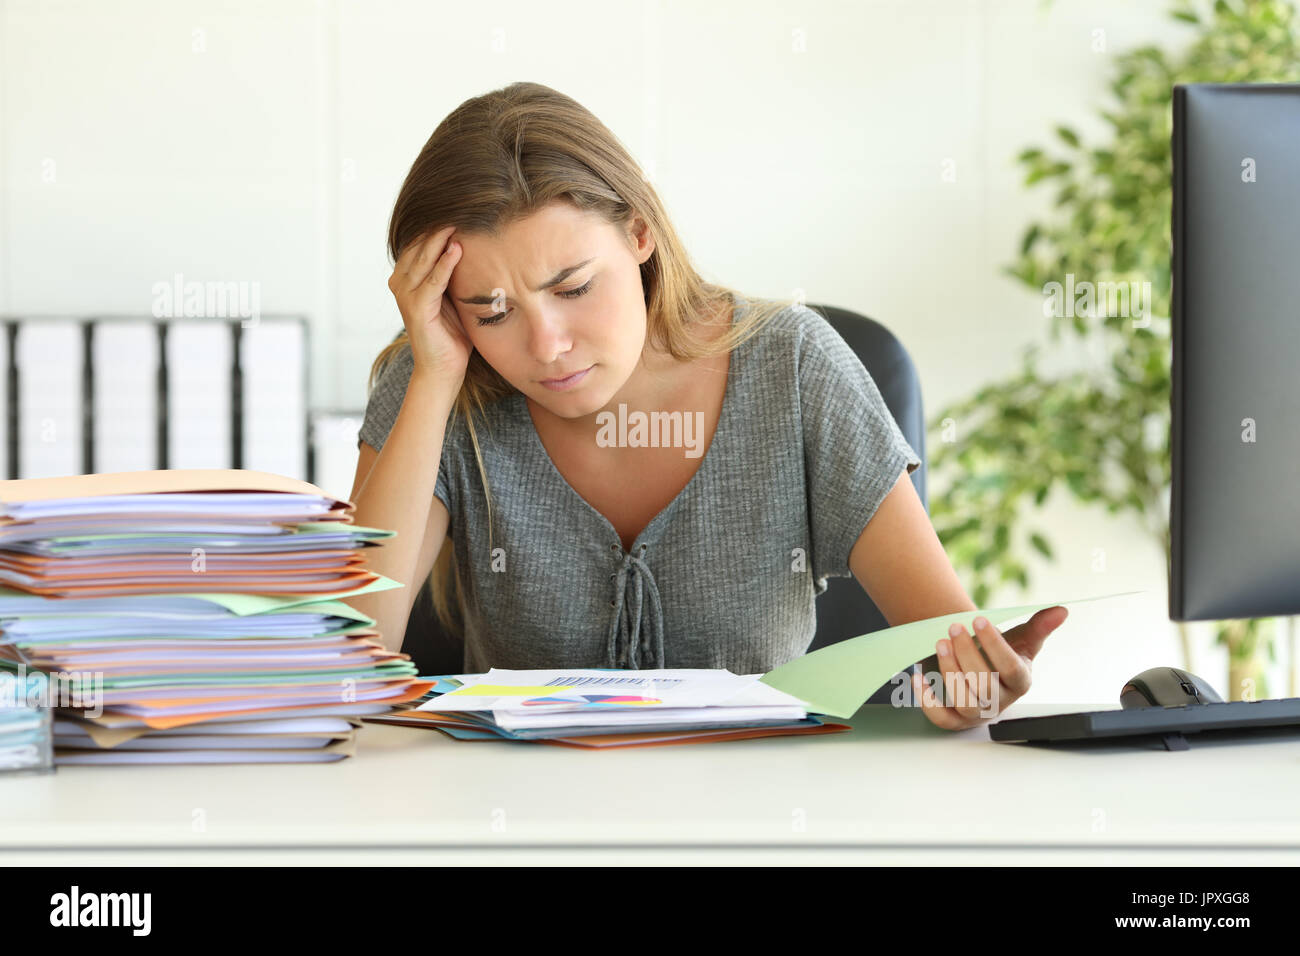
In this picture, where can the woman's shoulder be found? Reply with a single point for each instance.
(790, 330)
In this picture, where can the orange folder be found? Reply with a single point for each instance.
(191, 582)
(412, 691)
(646, 738)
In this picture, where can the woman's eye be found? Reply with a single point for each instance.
(581, 290)
(570, 294)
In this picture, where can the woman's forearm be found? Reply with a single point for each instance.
(397, 495)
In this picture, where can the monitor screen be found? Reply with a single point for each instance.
(1235, 442)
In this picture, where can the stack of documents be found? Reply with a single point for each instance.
(192, 616)
(616, 708)
(151, 532)
(604, 708)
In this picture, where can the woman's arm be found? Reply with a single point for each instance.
(900, 562)
(396, 493)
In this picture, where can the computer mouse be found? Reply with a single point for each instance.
(1166, 687)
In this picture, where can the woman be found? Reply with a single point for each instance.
(634, 467)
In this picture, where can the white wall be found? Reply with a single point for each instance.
(798, 146)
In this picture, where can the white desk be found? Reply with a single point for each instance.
(894, 790)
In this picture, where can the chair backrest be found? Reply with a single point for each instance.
(844, 610)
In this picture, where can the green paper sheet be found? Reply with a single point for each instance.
(332, 607)
(384, 670)
(368, 534)
(837, 680)
(244, 604)
(358, 532)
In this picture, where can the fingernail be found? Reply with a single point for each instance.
(954, 629)
(980, 623)
(944, 648)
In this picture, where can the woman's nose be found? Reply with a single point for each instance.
(548, 335)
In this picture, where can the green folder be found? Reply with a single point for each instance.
(837, 680)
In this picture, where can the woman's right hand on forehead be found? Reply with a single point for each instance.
(419, 284)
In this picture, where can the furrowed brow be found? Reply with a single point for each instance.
(552, 281)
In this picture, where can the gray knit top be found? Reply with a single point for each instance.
(725, 576)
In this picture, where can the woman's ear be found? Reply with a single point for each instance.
(641, 239)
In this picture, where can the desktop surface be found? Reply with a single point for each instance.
(895, 789)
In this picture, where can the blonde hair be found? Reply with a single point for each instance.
(499, 158)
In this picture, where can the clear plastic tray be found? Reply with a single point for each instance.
(26, 731)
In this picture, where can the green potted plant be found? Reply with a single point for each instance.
(1103, 438)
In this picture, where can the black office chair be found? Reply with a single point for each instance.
(844, 610)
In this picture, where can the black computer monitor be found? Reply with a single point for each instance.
(1235, 442)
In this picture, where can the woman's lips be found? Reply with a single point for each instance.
(560, 384)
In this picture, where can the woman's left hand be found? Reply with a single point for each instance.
(976, 686)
